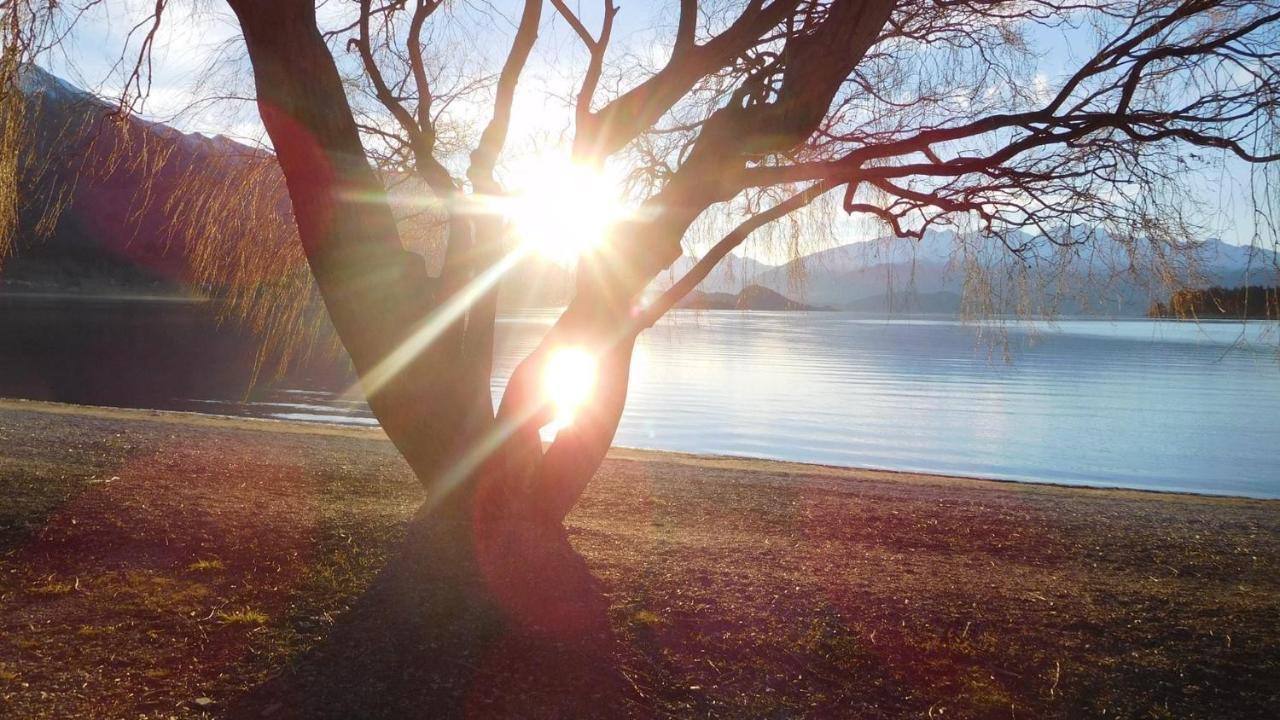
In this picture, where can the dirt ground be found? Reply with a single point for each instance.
(169, 565)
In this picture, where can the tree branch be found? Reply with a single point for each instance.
(485, 156)
(621, 120)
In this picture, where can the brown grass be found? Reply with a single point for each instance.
(244, 616)
(229, 549)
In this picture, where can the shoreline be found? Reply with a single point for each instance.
(617, 452)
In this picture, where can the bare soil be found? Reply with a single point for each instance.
(170, 565)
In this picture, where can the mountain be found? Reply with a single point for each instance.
(856, 274)
(752, 297)
(730, 275)
(945, 272)
(114, 180)
(117, 179)
(910, 303)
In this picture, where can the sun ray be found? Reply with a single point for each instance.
(568, 380)
(476, 455)
(436, 323)
(563, 210)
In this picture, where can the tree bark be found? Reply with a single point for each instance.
(437, 410)
(375, 291)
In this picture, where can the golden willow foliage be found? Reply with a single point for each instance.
(229, 216)
(22, 28)
(227, 213)
(13, 128)
(224, 211)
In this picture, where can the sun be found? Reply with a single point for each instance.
(562, 210)
(568, 380)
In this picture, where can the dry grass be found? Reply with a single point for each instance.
(51, 587)
(231, 549)
(244, 616)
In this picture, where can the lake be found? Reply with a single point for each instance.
(1154, 405)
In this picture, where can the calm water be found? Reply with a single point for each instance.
(1156, 405)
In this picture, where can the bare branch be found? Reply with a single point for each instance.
(364, 46)
(621, 120)
(595, 65)
(485, 156)
(137, 86)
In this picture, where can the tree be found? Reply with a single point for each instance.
(916, 113)
(808, 97)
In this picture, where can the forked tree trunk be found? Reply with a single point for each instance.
(488, 556)
(487, 565)
(378, 294)
(436, 407)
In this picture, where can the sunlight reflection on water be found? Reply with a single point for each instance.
(1157, 405)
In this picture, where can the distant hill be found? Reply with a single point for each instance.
(929, 276)
(147, 209)
(730, 275)
(113, 234)
(936, 303)
(752, 297)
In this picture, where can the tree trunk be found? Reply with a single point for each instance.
(485, 561)
(375, 292)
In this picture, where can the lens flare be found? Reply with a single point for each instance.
(563, 209)
(568, 380)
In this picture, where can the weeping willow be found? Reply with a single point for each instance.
(224, 213)
(28, 205)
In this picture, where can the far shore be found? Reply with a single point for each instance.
(165, 564)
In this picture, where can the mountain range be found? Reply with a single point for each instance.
(105, 241)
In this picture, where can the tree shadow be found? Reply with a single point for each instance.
(470, 619)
